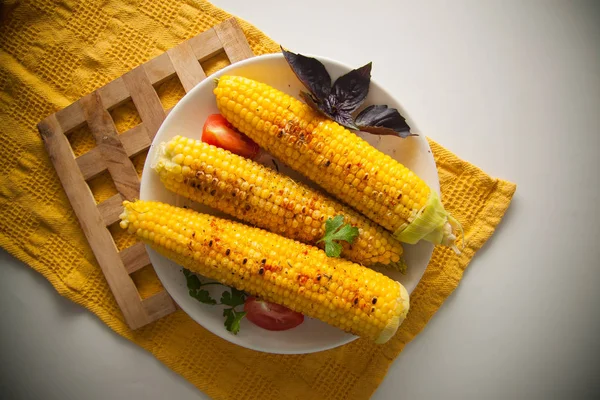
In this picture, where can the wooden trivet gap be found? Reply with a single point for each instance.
(113, 154)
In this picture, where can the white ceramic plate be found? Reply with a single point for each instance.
(187, 119)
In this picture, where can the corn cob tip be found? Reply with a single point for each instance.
(432, 223)
(155, 164)
(402, 307)
(124, 224)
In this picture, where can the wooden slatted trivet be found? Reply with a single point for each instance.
(113, 153)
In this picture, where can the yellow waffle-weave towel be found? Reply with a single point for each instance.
(54, 52)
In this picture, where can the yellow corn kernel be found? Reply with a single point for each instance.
(304, 135)
(271, 265)
(263, 197)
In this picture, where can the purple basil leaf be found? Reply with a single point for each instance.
(311, 72)
(350, 90)
(324, 109)
(331, 107)
(377, 130)
(345, 120)
(311, 101)
(382, 120)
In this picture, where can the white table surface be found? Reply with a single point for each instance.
(512, 86)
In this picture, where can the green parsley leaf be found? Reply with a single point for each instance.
(234, 298)
(203, 296)
(336, 230)
(231, 298)
(193, 283)
(233, 320)
(229, 314)
(333, 249)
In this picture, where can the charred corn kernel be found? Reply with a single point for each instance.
(263, 197)
(302, 136)
(370, 304)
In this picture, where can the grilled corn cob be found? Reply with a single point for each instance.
(256, 194)
(335, 158)
(301, 277)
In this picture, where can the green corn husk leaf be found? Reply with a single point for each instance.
(433, 224)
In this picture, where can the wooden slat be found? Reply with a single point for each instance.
(135, 257)
(114, 93)
(91, 164)
(206, 45)
(70, 117)
(113, 152)
(111, 208)
(135, 140)
(233, 40)
(159, 305)
(92, 224)
(186, 66)
(119, 165)
(145, 99)
(158, 69)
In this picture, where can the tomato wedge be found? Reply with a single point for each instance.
(271, 316)
(219, 132)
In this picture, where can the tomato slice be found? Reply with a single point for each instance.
(219, 132)
(271, 316)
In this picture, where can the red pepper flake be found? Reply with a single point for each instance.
(272, 268)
